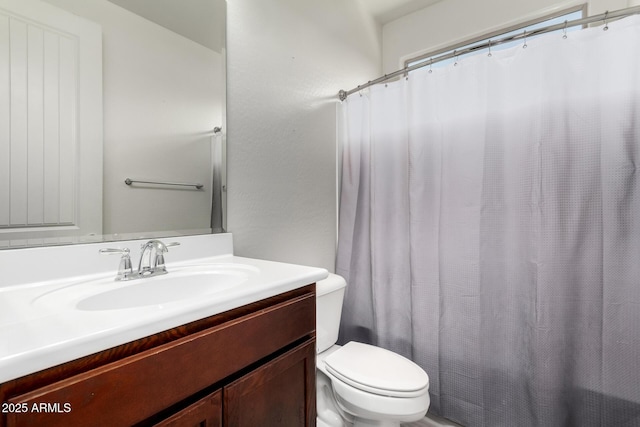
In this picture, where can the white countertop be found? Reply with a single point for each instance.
(36, 335)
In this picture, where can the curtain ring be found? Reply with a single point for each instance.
(489, 55)
(455, 53)
(430, 65)
(606, 25)
(524, 46)
(564, 30)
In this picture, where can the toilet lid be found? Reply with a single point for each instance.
(377, 370)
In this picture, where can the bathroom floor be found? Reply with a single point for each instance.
(432, 421)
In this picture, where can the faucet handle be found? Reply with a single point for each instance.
(124, 270)
(160, 256)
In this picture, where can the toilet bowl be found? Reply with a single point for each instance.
(360, 384)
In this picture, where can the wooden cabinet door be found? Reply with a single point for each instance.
(206, 412)
(279, 393)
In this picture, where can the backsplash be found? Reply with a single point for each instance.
(30, 265)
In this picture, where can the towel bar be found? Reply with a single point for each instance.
(130, 181)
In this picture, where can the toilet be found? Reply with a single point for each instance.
(359, 384)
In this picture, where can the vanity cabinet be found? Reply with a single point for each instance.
(250, 366)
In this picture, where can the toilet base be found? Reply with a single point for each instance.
(360, 423)
(329, 415)
(320, 423)
(375, 423)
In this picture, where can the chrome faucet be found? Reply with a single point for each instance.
(151, 260)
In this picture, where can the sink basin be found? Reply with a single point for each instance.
(179, 285)
(162, 290)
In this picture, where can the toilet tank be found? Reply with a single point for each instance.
(329, 297)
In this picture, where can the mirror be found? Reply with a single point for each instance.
(160, 124)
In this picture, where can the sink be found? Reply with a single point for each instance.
(179, 285)
(162, 290)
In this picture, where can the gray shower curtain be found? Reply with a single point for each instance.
(490, 229)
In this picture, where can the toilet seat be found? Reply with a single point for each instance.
(377, 371)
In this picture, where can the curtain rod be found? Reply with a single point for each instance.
(343, 94)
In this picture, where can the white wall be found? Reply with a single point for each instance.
(287, 59)
(452, 21)
(162, 98)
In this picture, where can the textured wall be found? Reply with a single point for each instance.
(286, 61)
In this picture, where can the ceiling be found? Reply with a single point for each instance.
(189, 18)
(385, 11)
(192, 18)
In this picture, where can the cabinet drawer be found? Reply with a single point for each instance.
(134, 388)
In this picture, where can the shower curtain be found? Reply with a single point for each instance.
(490, 229)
